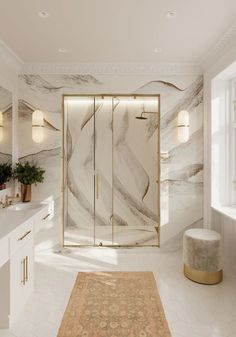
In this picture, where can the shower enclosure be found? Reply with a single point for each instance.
(111, 170)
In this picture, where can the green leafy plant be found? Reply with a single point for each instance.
(5, 173)
(28, 173)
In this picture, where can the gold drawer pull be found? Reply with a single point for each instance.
(46, 216)
(97, 186)
(21, 238)
(23, 272)
(26, 269)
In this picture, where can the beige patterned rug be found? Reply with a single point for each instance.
(114, 304)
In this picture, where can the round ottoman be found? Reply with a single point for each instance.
(202, 256)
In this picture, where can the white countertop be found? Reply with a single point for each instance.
(10, 220)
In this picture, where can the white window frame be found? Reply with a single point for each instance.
(232, 143)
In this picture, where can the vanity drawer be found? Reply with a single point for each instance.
(4, 251)
(41, 218)
(21, 236)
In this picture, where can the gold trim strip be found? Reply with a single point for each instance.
(94, 168)
(111, 95)
(109, 246)
(159, 173)
(112, 165)
(115, 95)
(63, 171)
(97, 186)
(203, 277)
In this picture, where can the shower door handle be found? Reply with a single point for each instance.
(97, 186)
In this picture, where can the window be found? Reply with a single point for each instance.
(223, 141)
(232, 143)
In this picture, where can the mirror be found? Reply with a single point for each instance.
(5, 126)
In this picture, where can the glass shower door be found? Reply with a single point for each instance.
(111, 171)
(135, 171)
(103, 171)
(79, 166)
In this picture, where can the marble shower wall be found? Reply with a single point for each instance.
(181, 164)
(106, 135)
(135, 172)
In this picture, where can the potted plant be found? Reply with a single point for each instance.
(5, 174)
(27, 174)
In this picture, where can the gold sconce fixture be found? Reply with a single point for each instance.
(183, 126)
(1, 126)
(37, 126)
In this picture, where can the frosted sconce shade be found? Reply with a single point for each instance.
(183, 126)
(1, 126)
(37, 118)
(183, 134)
(183, 118)
(37, 126)
(37, 134)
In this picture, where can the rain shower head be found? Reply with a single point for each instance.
(141, 117)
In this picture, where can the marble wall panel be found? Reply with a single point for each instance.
(181, 165)
(79, 146)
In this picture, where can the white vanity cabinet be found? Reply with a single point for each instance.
(4, 283)
(17, 230)
(21, 267)
(4, 251)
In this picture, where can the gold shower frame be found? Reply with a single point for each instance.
(158, 225)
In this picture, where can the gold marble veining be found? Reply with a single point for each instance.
(114, 304)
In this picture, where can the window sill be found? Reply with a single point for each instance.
(229, 211)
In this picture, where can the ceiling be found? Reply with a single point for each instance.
(95, 31)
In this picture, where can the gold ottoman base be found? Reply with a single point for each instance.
(203, 277)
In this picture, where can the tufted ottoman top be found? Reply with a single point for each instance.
(203, 234)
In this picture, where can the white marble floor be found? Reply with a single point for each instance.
(192, 310)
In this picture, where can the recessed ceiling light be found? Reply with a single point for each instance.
(157, 50)
(171, 14)
(62, 50)
(43, 14)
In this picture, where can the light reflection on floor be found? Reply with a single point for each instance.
(192, 310)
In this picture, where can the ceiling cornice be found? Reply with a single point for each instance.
(113, 68)
(225, 43)
(9, 57)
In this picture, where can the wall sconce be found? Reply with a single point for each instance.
(1, 126)
(183, 126)
(37, 126)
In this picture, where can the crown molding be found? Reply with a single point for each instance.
(227, 41)
(10, 58)
(14, 61)
(223, 45)
(113, 68)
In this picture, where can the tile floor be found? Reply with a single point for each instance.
(192, 310)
